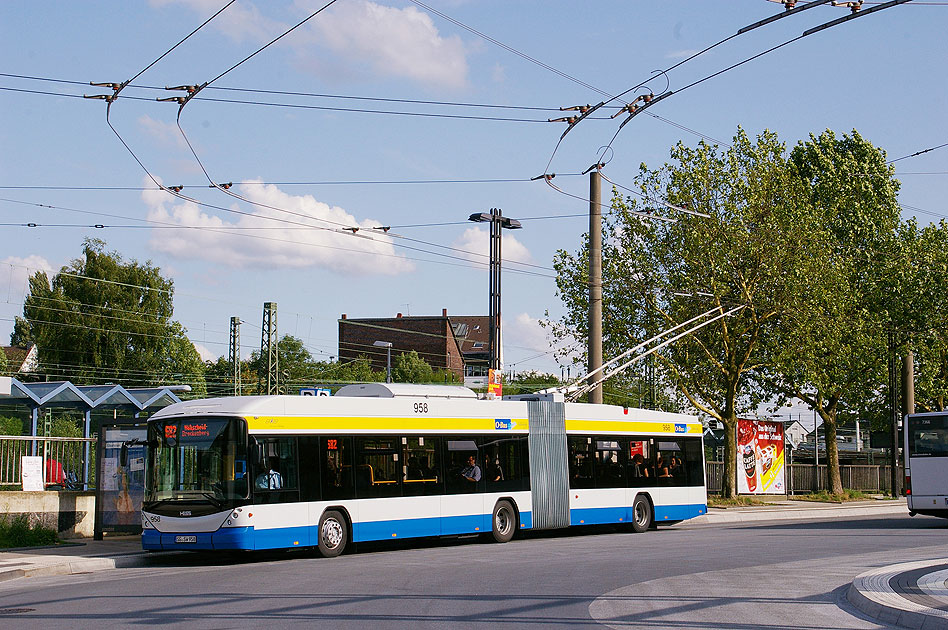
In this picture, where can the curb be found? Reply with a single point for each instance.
(872, 594)
(743, 515)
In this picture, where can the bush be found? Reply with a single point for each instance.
(19, 533)
(11, 426)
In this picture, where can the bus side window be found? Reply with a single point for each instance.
(336, 467)
(581, 458)
(277, 480)
(457, 454)
(421, 468)
(378, 467)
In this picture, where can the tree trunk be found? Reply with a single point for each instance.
(729, 483)
(834, 482)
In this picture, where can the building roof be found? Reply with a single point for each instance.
(20, 359)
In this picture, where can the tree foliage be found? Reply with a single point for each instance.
(827, 353)
(752, 250)
(104, 319)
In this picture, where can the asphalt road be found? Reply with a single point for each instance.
(777, 575)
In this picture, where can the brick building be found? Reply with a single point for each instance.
(455, 344)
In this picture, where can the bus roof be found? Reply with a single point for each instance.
(415, 414)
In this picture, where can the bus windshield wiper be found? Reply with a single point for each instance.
(214, 500)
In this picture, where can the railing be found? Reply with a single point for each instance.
(804, 478)
(75, 455)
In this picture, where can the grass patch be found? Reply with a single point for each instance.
(19, 533)
(824, 496)
(720, 502)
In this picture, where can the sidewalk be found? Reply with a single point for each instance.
(802, 510)
(116, 552)
(84, 556)
(912, 594)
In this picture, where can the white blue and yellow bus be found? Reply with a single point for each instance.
(381, 462)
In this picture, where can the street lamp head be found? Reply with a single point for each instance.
(485, 217)
(510, 224)
(383, 344)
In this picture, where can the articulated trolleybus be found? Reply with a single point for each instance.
(382, 462)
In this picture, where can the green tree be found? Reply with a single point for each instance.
(3, 363)
(408, 367)
(104, 319)
(916, 300)
(752, 249)
(827, 352)
(356, 371)
(12, 425)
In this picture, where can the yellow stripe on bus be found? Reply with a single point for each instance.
(412, 424)
(417, 424)
(620, 426)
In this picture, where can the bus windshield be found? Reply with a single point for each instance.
(928, 436)
(203, 460)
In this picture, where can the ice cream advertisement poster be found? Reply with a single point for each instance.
(760, 466)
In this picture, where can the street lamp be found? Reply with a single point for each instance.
(497, 222)
(388, 360)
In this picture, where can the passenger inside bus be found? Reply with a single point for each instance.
(270, 479)
(471, 472)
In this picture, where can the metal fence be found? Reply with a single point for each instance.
(805, 478)
(70, 453)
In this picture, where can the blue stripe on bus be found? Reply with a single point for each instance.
(285, 537)
(679, 512)
(225, 538)
(623, 514)
(598, 516)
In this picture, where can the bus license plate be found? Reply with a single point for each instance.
(185, 539)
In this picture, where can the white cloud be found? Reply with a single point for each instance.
(206, 355)
(526, 333)
(166, 133)
(18, 272)
(365, 37)
(388, 42)
(254, 240)
(476, 242)
(241, 21)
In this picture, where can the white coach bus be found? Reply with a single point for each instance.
(382, 462)
(926, 463)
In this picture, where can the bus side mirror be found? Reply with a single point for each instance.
(259, 454)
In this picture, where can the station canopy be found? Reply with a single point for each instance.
(86, 398)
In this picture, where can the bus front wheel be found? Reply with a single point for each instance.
(333, 534)
(504, 522)
(641, 514)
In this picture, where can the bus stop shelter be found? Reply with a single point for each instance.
(84, 398)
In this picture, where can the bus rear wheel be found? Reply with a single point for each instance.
(641, 514)
(333, 534)
(504, 522)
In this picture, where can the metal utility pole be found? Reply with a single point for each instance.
(908, 383)
(894, 417)
(497, 223)
(234, 353)
(816, 454)
(594, 360)
(908, 392)
(270, 380)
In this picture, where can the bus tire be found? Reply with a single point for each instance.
(504, 522)
(641, 514)
(333, 534)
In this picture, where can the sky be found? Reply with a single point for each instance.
(324, 138)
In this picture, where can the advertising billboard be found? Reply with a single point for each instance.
(760, 465)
